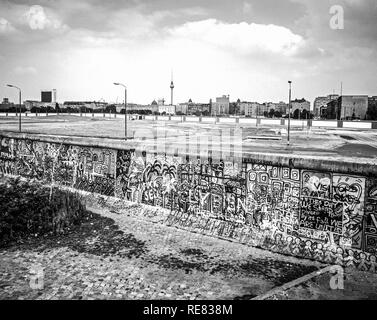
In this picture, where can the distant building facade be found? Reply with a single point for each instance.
(163, 108)
(181, 108)
(136, 108)
(280, 107)
(6, 105)
(93, 105)
(49, 96)
(221, 106)
(168, 109)
(320, 105)
(245, 107)
(46, 96)
(193, 108)
(348, 107)
(253, 109)
(299, 104)
(30, 104)
(372, 108)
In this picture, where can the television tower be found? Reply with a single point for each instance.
(171, 89)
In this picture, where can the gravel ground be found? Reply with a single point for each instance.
(123, 256)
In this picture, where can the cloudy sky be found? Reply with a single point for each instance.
(248, 49)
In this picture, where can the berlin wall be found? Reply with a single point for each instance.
(301, 210)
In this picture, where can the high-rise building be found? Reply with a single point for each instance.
(46, 96)
(54, 96)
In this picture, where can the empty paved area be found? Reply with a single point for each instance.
(123, 256)
(354, 145)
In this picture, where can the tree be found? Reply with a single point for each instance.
(50, 109)
(305, 114)
(372, 111)
(35, 110)
(271, 113)
(111, 108)
(277, 114)
(265, 114)
(296, 114)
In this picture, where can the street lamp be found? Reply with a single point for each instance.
(125, 107)
(19, 116)
(289, 110)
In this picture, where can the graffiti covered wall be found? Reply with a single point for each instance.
(326, 216)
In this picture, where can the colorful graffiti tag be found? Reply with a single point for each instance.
(324, 216)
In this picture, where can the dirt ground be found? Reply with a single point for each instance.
(122, 256)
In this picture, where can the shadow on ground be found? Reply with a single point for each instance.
(100, 236)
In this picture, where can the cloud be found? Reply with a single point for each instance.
(241, 37)
(37, 19)
(25, 70)
(5, 26)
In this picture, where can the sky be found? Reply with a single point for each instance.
(247, 49)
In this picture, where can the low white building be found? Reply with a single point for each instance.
(168, 109)
(29, 104)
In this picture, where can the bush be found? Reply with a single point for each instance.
(29, 209)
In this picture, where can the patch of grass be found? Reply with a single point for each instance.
(29, 209)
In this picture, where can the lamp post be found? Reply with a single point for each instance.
(289, 110)
(125, 107)
(19, 115)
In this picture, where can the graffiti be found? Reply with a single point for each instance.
(333, 203)
(7, 161)
(349, 192)
(211, 189)
(324, 216)
(273, 197)
(316, 185)
(321, 214)
(95, 170)
(370, 225)
(123, 163)
(6, 151)
(318, 210)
